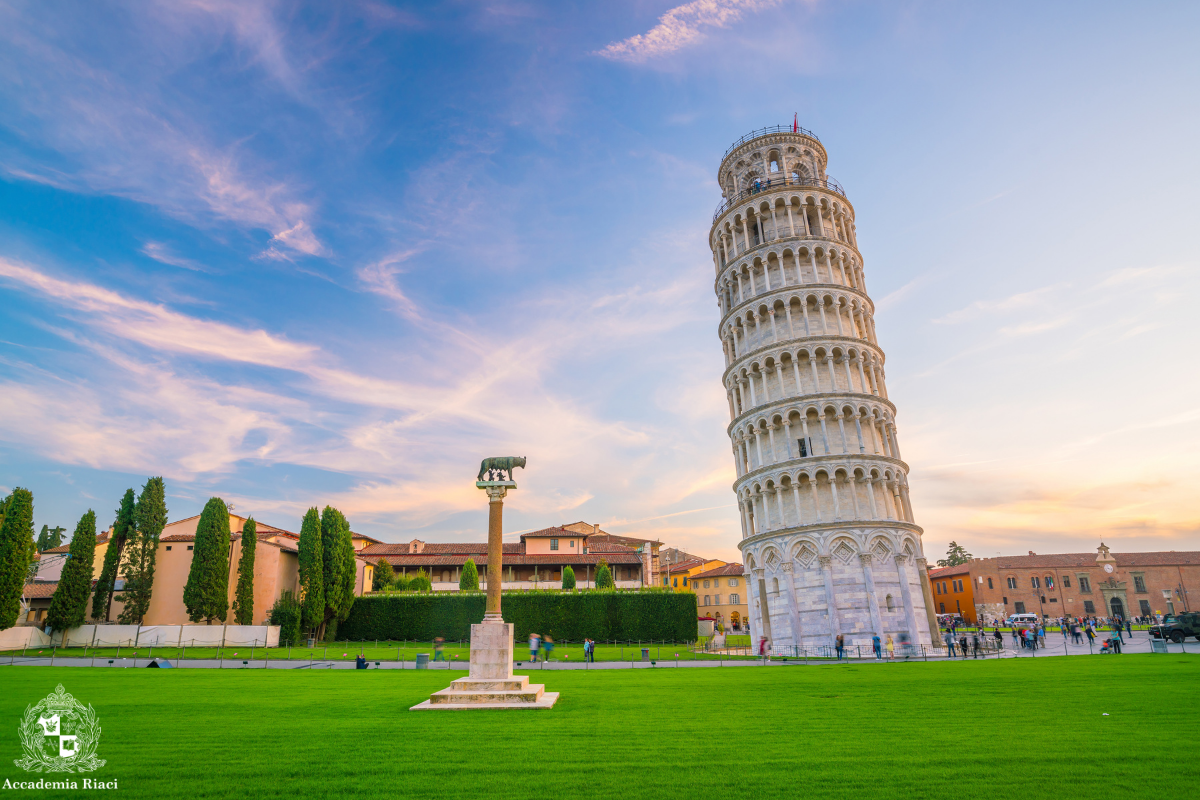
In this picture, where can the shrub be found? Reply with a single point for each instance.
(604, 579)
(286, 614)
(400, 583)
(568, 578)
(384, 575)
(420, 582)
(469, 580)
(647, 614)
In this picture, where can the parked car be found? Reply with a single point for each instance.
(1177, 627)
(1017, 620)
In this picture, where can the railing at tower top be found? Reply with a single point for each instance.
(775, 183)
(765, 131)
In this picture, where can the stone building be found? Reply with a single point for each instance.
(828, 533)
(1100, 584)
(534, 562)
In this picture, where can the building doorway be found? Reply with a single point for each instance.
(1118, 608)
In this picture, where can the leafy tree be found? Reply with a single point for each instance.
(206, 593)
(68, 606)
(49, 538)
(468, 581)
(955, 556)
(16, 551)
(337, 562)
(604, 579)
(286, 613)
(401, 583)
(568, 578)
(384, 575)
(122, 529)
(150, 517)
(312, 572)
(243, 599)
(420, 582)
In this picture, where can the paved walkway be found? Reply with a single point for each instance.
(1056, 647)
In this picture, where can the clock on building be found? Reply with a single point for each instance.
(1108, 567)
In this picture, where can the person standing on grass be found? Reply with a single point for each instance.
(840, 644)
(589, 647)
(535, 643)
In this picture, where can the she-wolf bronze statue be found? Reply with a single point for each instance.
(500, 464)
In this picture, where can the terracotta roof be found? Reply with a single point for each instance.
(354, 535)
(682, 566)
(555, 533)
(720, 572)
(1162, 558)
(632, 541)
(101, 538)
(39, 590)
(947, 572)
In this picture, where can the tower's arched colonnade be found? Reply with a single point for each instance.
(828, 535)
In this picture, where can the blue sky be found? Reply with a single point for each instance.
(295, 254)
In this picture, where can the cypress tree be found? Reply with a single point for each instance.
(123, 527)
(243, 600)
(384, 575)
(16, 551)
(338, 566)
(206, 593)
(43, 540)
(312, 571)
(68, 606)
(468, 581)
(568, 578)
(150, 517)
(54, 537)
(604, 579)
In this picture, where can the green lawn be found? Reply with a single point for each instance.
(1013, 728)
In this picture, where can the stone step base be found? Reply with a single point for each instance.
(530, 694)
(545, 700)
(517, 683)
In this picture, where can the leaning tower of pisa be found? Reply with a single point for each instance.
(828, 536)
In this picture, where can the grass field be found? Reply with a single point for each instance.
(1014, 728)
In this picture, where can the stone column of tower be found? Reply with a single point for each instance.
(828, 536)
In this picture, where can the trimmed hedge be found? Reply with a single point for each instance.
(569, 616)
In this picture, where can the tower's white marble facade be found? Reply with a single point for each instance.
(828, 536)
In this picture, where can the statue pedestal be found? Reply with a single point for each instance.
(490, 682)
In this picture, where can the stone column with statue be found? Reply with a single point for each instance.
(490, 683)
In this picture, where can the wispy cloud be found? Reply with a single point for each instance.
(160, 252)
(682, 26)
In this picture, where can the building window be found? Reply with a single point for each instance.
(1089, 607)
(1012, 583)
(1049, 581)
(734, 599)
(1066, 581)
(1035, 582)
(685, 580)
(707, 600)
(706, 584)
(677, 582)
(554, 544)
(1006, 600)
(941, 608)
(890, 606)
(990, 584)
(733, 582)
(666, 581)
(189, 547)
(1145, 605)
(1139, 583)
(958, 585)
(717, 599)
(1019, 606)
(168, 547)
(572, 543)
(1085, 586)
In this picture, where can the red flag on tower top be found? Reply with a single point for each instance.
(796, 122)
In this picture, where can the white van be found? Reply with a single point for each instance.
(1017, 620)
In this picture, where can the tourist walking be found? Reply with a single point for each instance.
(875, 646)
(891, 648)
(975, 642)
(439, 649)
(547, 647)
(535, 644)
